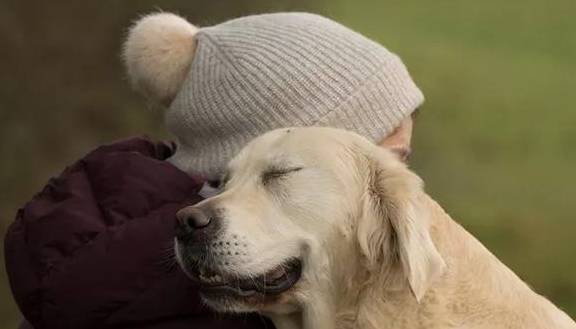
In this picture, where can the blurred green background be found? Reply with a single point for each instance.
(495, 141)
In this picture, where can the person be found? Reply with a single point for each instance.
(93, 248)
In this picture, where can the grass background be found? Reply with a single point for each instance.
(495, 141)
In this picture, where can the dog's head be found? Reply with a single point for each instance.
(303, 211)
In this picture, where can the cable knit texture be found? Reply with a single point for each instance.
(257, 73)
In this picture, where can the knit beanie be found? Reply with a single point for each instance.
(228, 83)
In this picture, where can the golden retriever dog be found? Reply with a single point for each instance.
(318, 228)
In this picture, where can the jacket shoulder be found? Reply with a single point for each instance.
(95, 239)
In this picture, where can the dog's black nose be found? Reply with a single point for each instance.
(197, 224)
(193, 218)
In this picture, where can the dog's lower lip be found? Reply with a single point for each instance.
(266, 284)
(225, 290)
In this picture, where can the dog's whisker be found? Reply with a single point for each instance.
(167, 259)
(264, 279)
(283, 268)
(252, 279)
(237, 281)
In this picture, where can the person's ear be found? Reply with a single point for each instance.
(399, 140)
(395, 223)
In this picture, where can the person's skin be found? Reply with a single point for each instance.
(399, 140)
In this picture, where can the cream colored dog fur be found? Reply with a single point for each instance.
(377, 252)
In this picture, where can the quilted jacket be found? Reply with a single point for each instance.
(93, 248)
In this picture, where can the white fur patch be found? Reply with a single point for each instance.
(158, 53)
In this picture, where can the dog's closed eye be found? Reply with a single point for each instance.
(275, 173)
(213, 187)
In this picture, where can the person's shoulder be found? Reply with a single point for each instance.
(142, 145)
(104, 219)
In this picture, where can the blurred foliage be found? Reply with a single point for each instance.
(494, 141)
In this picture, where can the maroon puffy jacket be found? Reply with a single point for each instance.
(92, 250)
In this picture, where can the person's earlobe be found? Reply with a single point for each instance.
(399, 141)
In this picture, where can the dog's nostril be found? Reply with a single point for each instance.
(199, 222)
(193, 218)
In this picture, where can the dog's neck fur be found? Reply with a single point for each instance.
(474, 284)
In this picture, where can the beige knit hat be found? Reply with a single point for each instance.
(228, 83)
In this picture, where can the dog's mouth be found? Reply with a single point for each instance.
(274, 282)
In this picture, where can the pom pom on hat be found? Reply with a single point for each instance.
(158, 53)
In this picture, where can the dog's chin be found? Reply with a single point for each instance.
(231, 292)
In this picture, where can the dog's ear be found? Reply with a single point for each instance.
(395, 224)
